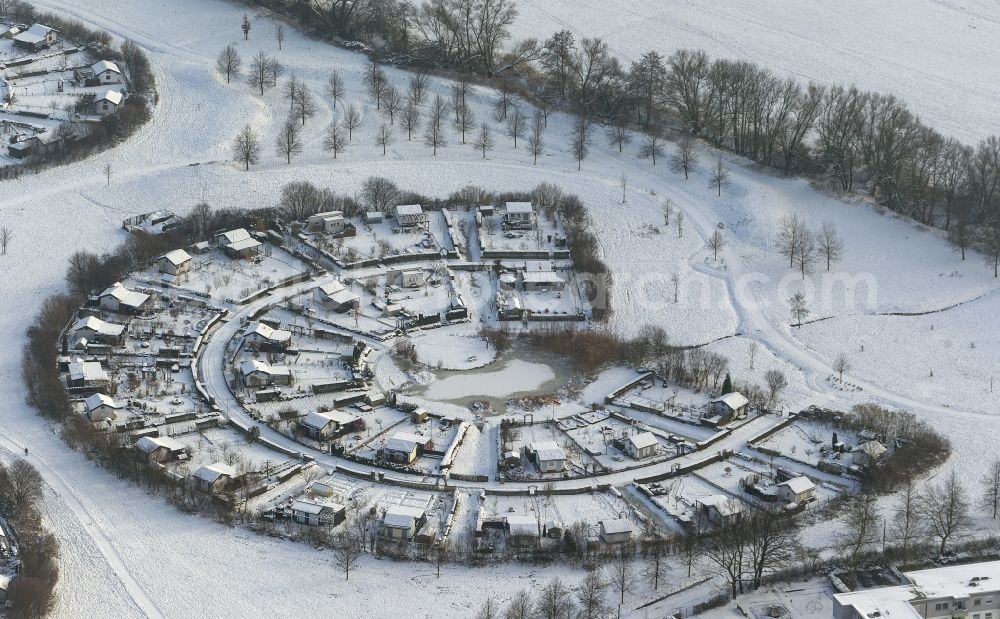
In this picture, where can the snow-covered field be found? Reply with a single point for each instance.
(129, 554)
(937, 55)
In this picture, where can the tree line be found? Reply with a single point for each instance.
(850, 139)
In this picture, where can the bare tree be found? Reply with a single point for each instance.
(797, 304)
(555, 600)
(680, 224)
(988, 500)
(384, 137)
(591, 596)
(830, 245)
(655, 560)
(376, 82)
(246, 146)
(23, 485)
(720, 176)
(488, 610)
(675, 280)
(519, 606)
(418, 87)
(776, 382)
(725, 549)
(536, 145)
(907, 524)
(517, 124)
(410, 119)
(289, 139)
(335, 141)
(434, 134)
(263, 71)
(581, 141)
(791, 231)
(772, 542)
(292, 87)
(618, 133)
(623, 572)
(346, 553)
(668, 209)
(860, 527)
(392, 102)
(279, 35)
(806, 254)
(715, 243)
(246, 27)
(945, 508)
(652, 146)
(228, 63)
(107, 172)
(503, 102)
(379, 194)
(687, 156)
(841, 365)
(304, 104)
(335, 88)
(352, 120)
(465, 119)
(6, 236)
(484, 140)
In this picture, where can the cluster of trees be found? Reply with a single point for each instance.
(850, 138)
(31, 593)
(804, 247)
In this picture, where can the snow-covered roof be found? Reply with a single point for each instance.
(542, 277)
(522, 525)
(130, 298)
(409, 210)
(330, 287)
(643, 439)
(725, 505)
(35, 34)
(97, 400)
(733, 400)
(343, 296)
(316, 419)
(799, 484)
(149, 444)
(112, 96)
(327, 216)
(104, 65)
(519, 207)
(548, 450)
(86, 370)
(309, 506)
(212, 472)
(99, 326)
(244, 244)
(874, 449)
(269, 333)
(404, 442)
(233, 236)
(401, 516)
(177, 257)
(619, 525)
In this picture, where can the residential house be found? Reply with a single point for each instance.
(93, 329)
(522, 531)
(214, 478)
(410, 216)
(518, 216)
(118, 298)
(160, 449)
(101, 408)
(238, 243)
(373, 217)
(36, 38)
(315, 513)
(641, 446)
(330, 222)
(401, 522)
(176, 262)
(970, 590)
(324, 426)
(796, 490)
(616, 531)
(720, 509)
(87, 374)
(106, 72)
(405, 447)
(548, 456)
(261, 336)
(108, 102)
(334, 296)
(260, 374)
(869, 453)
(405, 278)
(542, 281)
(726, 408)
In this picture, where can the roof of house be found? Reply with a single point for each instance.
(316, 419)
(542, 277)
(212, 472)
(244, 244)
(35, 34)
(733, 400)
(327, 216)
(232, 236)
(253, 365)
(97, 325)
(519, 207)
(409, 210)
(269, 333)
(331, 287)
(643, 439)
(873, 448)
(404, 442)
(343, 296)
(98, 400)
(112, 96)
(725, 505)
(177, 256)
(86, 370)
(309, 506)
(799, 484)
(522, 525)
(548, 450)
(401, 516)
(104, 65)
(149, 444)
(619, 525)
(131, 298)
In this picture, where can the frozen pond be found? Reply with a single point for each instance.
(517, 376)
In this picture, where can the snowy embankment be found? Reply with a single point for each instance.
(122, 545)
